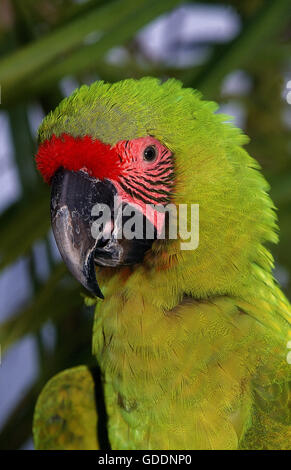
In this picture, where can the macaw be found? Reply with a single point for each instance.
(192, 344)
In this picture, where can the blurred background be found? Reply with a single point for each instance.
(237, 53)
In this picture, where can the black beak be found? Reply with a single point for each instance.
(73, 196)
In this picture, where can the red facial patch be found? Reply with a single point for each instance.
(141, 169)
(75, 153)
(146, 181)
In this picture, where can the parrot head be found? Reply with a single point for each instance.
(140, 144)
(137, 172)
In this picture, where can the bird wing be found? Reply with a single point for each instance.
(65, 417)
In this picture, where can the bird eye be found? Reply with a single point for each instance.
(150, 153)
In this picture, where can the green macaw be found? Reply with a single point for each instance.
(192, 343)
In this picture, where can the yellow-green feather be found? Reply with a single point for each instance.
(65, 417)
(192, 344)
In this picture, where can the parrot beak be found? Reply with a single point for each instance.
(73, 196)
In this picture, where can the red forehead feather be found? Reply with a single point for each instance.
(75, 153)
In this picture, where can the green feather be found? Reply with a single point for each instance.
(192, 344)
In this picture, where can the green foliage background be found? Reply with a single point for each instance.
(42, 41)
